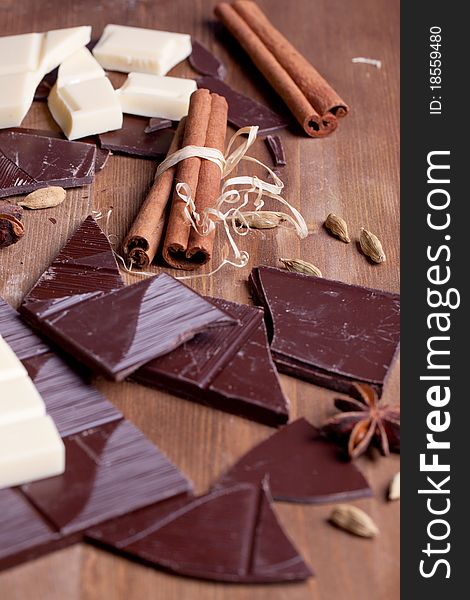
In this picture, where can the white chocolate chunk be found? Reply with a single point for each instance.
(81, 66)
(59, 44)
(16, 96)
(20, 53)
(83, 101)
(19, 401)
(30, 450)
(10, 365)
(156, 96)
(127, 49)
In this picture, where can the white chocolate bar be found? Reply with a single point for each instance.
(25, 59)
(10, 366)
(83, 101)
(156, 96)
(29, 450)
(128, 49)
(19, 401)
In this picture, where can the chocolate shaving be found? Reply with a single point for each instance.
(274, 144)
(155, 124)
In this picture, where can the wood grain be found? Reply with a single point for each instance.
(354, 173)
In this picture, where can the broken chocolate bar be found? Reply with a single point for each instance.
(328, 332)
(29, 162)
(274, 144)
(227, 368)
(133, 140)
(242, 110)
(231, 534)
(116, 333)
(84, 268)
(203, 61)
(155, 124)
(301, 466)
(111, 470)
(23, 342)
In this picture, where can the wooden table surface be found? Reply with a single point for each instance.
(354, 173)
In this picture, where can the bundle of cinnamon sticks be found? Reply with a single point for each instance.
(310, 98)
(162, 220)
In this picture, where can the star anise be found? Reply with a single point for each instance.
(364, 421)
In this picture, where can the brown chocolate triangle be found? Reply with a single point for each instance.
(85, 267)
(328, 332)
(231, 534)
(302, 466)
(226, 368)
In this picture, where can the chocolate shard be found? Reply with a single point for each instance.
(24, 343)
(302, 466)
(29, 162)
(110, 471)
(73, 404)
(226, 368)
(242, 110)
(101, 157)
(274, 144)
(231, 534)
(84, 268)
(134, 141)
(328, 332)
(116, 333)
(203, 61)
(24, 534)
(155, 124)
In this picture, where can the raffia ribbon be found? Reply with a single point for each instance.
(203, 223)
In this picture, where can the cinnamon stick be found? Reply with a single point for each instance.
(144, 237)
(309, 97)
(206, 125)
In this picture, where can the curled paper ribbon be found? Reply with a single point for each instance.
(232, 218)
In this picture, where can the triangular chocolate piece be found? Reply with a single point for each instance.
(116, 333)
(227, 368)
(231, 534)
(328, 332)
(302, 466)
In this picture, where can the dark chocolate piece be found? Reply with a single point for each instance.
(116, 333)
(226, 368)
(84, 268)
(155, 124)
(301, 465)
(242, 110)
(110, 471)
(24, 534)
(231, 534)
(328, 332)
(203, 61)
(73, 404)
(274, 144)
(24, 343)
(29, 162)
(101, 157)
(133, 140)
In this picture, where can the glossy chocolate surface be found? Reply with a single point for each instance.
(155, 124)
(30, 161)
(85, 267)
(301, 466)
(133, 140)
(73, 404)
(327, 331)
(274, 144)
(242, 110)
(110, 471)
(231, 534)
(24, 534)
(203, 61)
(229, 368)
(116, 333)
